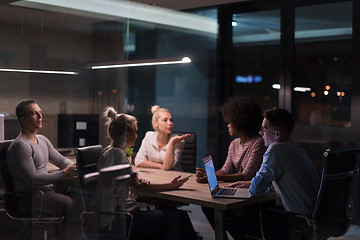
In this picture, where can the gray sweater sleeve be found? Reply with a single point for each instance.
(55, 157)
(27, 163)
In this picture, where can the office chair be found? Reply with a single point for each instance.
(114, 176)
(330, 216)
(11, 199)
(86, 161)
(188, 155)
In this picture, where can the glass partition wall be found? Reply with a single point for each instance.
(73, 37)
(298, 55)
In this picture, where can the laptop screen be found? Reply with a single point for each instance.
(210, 172)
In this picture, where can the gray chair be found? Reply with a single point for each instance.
(330, 216)
(11, 199)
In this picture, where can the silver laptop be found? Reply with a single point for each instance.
(215, 190)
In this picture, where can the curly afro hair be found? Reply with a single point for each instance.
(243, 114)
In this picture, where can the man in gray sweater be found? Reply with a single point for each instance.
(28, 156)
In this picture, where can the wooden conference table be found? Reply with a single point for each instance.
(192, 192)
(196, 193)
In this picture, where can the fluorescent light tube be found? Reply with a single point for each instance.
(139, 63)
(298, 89)
(37, 71)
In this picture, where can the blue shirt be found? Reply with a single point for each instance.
(287, 167)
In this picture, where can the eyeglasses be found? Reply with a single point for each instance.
(263, 130)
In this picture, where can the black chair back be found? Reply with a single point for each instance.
(86, 160)
(331, 211)
(188, 155)
(10, 198)
(5, 175)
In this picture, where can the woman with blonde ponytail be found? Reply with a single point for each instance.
(148, 224)
(161, 148)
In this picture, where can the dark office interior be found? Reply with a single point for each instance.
(300, 55)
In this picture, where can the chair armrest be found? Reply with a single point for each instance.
(287, 214)
(277, 222)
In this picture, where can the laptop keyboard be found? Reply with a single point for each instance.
(227, 191)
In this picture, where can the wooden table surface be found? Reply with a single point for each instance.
(193, 192)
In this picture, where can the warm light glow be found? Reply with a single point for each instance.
(327, 87)
(340, 94)
(99, 92)
(114, 91)
(37, 71)
(141, 63)
(313, 94)
(326, 93)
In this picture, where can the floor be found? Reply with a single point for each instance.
(204, 229)
(198, 219)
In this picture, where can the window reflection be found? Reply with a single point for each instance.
(323, 63)
(256, 41)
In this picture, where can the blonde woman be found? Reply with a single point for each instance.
(161, 148)
(148, 224)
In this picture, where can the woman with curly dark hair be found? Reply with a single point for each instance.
(245, 152)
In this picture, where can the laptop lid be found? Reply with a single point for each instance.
(211, 174)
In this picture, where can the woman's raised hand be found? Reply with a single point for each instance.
(177, 139)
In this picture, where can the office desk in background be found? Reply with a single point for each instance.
(196, 193)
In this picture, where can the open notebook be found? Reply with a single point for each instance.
(215, 190)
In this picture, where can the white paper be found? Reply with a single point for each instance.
(81, 125)
(81, 142)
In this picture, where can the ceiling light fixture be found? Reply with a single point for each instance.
(297, 89)
(140, 63)
(302, 89)
(37, 71)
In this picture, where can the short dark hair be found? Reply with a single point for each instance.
(21, 108)
(243, 114)
(280, 119)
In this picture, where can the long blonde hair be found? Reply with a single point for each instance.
(155, 110)
(118, 125)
